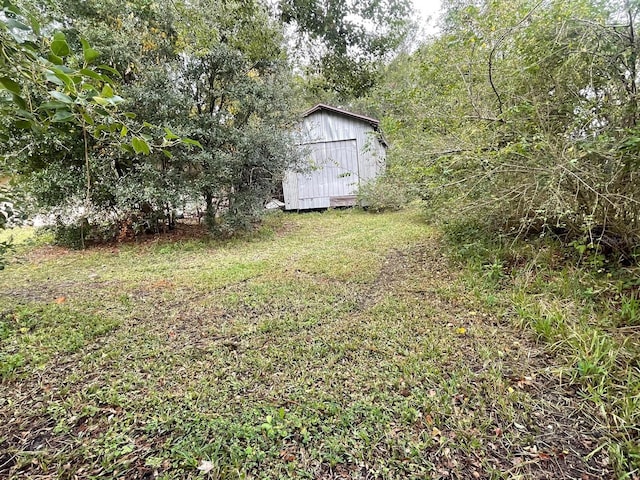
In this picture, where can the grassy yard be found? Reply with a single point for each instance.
(341, 345)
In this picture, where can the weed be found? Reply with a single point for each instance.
(574, 311)
(331, 345)
(630, 310)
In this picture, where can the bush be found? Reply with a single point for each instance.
(382, 194)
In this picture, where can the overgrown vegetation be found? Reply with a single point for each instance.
(525, 114)
(517, 127)
(585, 311)
(342, 345)
(383, 194)
(326, 345)
(78, 157)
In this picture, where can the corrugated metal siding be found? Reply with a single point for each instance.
(290, 191)
(344, 152)
(334, 173)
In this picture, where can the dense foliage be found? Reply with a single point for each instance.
(217, 78)
(55, 104)
(525, 114)
(345, 45)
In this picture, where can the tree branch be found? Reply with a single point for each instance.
(495, 48)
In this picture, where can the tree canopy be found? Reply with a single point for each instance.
(216, 81)
(525, 112)
(345, 45)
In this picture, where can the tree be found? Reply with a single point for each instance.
(526, 113)
(56, 109)
(230, 86)
(346, 44)
(213, 71)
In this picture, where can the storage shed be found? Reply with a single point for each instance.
(342, 151)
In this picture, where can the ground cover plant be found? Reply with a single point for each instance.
(325, 345)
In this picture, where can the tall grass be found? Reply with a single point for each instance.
(586, 310)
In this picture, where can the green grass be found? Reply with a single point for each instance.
(584, 311)
(18, 235)
(334, 345)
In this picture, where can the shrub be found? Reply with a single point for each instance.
(382, 194)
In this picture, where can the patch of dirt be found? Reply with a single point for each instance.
(44, 254)
(51, 292)
(183, 231)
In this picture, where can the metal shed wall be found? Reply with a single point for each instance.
(343, 152)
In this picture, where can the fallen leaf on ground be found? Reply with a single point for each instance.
(205, 466)
(287, 456)
(59, 300)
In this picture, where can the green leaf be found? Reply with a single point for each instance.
(89, 53)
(13, 23)
(51, 77)
(24, 124)
(63, 69)
(56, 60)
(18, 100)
(59, 46)
(109, 69)
(127, 148)
(100, 129)
(89, 90)
(61, 97)
(107, 91)
(95, 75)
(167, 153)
(52, 105)
(10, 7)
(101, 101)
(169, 134)
(102, 111)
(25, 115)
(87, 118)
(35, 25)
(124, 131)
(188, 141)
(140, 146)
(62, 116)
(66, 79)
(11, 85)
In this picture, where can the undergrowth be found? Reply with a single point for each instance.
(322, 346)
(582, 306)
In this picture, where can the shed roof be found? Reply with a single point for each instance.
(321, 106)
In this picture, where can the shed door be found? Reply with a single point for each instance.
(334, 172)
